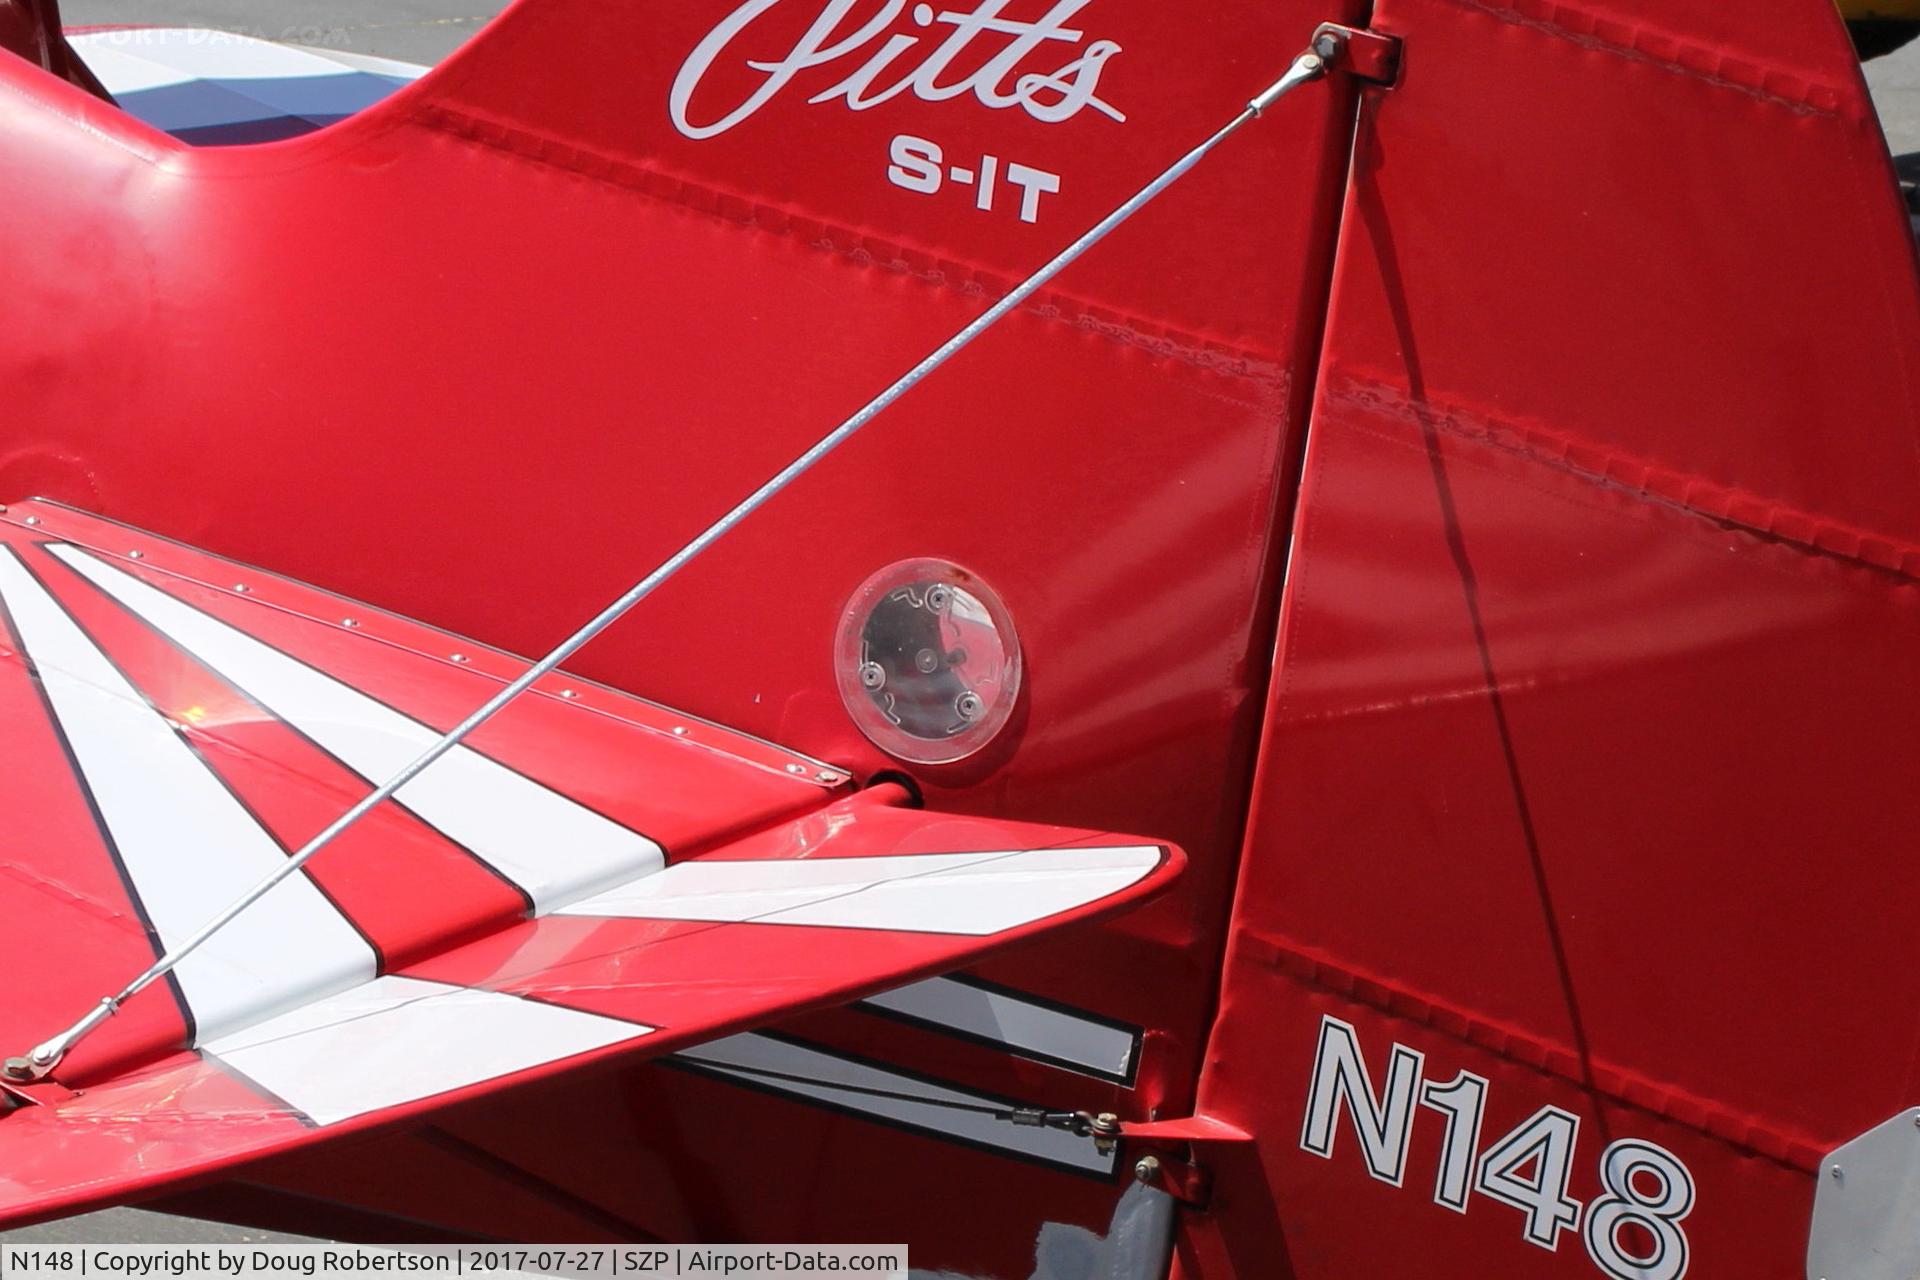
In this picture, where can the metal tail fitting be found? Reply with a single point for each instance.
(40, 1061)
(1308, 67)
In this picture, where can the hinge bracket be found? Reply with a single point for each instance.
(1367, 55)
(1173, 1154)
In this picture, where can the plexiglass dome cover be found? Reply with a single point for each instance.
(927, 661)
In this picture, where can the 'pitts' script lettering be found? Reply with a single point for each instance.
(887, 67)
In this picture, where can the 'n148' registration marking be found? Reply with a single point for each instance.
(1530, 1168)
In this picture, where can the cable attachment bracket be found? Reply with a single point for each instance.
(1103, 1128)
(1364, 55)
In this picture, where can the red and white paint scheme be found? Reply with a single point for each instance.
(1462, 543)
(507, 913)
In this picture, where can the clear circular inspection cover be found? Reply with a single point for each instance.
(927, 661)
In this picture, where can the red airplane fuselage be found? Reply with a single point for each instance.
(1476, 518)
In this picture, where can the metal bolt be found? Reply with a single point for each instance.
(796, 768)
(1328, 45)
(136, 555)
(241, 588)
(462, 658)
(938, 598)
(349, 623)
(33, 519)
(827, 775)
(872, 675)
(19, 1069)
(568, 693)
(1836, 1172)
(1147, 1169)
(680, 731)
(970, 706)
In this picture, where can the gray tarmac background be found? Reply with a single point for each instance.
(1895, 81)
(413, 30)
(426, 31)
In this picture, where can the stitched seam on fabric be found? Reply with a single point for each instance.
(1651, 482)
(1208, 354)
(1697, 62)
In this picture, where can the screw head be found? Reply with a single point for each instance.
(569, 693)
(1835, 1171)
(796, 768)
(872, 675)
(33, 520)
(938, 598)
(826, 775)
(1147, 1169)
(136, 555)
(1327, 45)
(970, 706)
(462, 658)
(680, 731)
(241, 588)
(350, 623)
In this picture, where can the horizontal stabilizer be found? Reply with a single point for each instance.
(591, 877)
